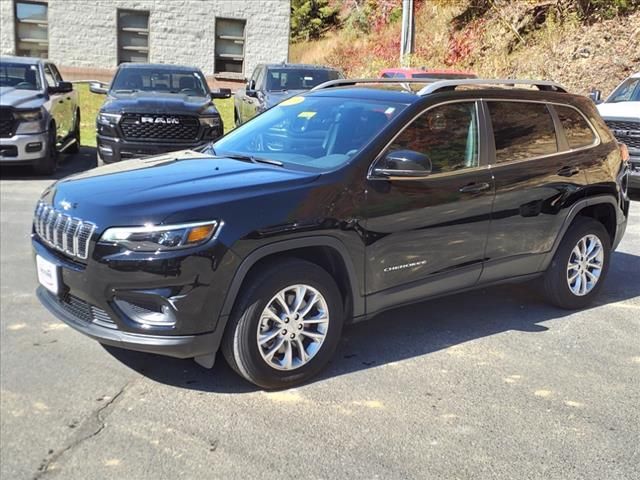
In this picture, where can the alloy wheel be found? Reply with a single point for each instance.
(585, 265)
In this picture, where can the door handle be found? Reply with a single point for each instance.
(60, 101)
(568, 171)
(68, 98)
(475, 187)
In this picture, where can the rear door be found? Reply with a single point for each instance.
(427, 236)
(537, 174)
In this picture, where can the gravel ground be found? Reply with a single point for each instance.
(487, 384)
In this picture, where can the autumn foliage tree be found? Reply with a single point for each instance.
(311, 18)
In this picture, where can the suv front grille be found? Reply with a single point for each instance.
(84, 312)
(63, 232)
(7, 123)
(627, 132)
(176, 128)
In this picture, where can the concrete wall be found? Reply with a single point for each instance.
(83, 34)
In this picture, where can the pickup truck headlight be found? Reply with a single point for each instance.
(109, 119)
(29, 121)
(210, 121)
(153, 238)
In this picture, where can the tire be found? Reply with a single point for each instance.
(557, 286)
(75, 148)
(240, 342)
(47, 165)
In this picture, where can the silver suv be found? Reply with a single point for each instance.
(39, 114)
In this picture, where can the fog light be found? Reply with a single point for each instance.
(33, 147)
(148, 314)
(107, 150)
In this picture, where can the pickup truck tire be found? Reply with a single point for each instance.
(75, 148)
(47, 165)
(579, 266)
(274, 344)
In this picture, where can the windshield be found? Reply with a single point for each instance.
(317, 132)
(629, 91)
(298, 78)
(160, 80)
(19, 76)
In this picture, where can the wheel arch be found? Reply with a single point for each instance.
(602, 208)
(327, 252)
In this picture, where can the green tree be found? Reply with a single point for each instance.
(311, 18)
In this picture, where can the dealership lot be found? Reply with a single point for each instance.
(487, 384)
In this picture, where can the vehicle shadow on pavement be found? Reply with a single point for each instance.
(407, 332)
(68, 164)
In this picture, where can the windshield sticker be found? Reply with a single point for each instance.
(307, 115)
(292, 101)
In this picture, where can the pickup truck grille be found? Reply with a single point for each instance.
(7, 123)
(64, 233)
(626, 132)
(160, 127)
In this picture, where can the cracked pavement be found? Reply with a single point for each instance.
(486, 384)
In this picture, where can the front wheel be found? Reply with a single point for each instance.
(47, 165)
(580, 265)
(285, 326)
(75, 147)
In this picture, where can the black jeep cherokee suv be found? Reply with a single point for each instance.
(329, 208)
(155, 108)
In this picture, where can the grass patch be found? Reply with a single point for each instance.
(90, 104)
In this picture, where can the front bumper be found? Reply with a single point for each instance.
(190, 285)
(634, 173)
(112, 149)
(23, 148)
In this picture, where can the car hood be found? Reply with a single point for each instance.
(173, 188)
(620, 111)
(157, 102)
(273, 98)
(18, 98)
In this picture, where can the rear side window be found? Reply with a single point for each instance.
(522, 130)
(576, 128)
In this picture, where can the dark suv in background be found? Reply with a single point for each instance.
(330, 208)
(153, 108)
(272, 83)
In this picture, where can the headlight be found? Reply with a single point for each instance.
(28, 115)
(109, 118)
(210, 121)
(153, 238)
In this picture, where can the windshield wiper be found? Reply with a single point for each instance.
(249, 158)
(126, 90)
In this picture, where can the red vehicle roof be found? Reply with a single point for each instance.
(405, 72)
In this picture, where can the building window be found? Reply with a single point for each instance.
(32, 32)
(229, 49)
(133, 36)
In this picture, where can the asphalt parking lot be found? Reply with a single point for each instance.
(488, 384)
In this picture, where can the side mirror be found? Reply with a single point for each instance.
(62, 87)
(403, 163)
(251, 93)
(221, 93)
(99, 88)
(596, 96)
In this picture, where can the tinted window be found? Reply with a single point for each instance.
(522, 130)
(576, 128)
(447, 134)
(298, 79)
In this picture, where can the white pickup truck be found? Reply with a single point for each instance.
(621, 112)
(39, 114)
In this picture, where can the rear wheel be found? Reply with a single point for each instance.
(285, 326)
(580, 265)
(75, 148)
(47, 165)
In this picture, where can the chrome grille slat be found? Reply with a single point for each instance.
(63, 232)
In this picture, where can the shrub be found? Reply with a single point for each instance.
(311, 18)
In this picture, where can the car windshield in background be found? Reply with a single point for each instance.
(19, 76)
(317, 132)
(298, 79)
(629, 91)
(161, 80)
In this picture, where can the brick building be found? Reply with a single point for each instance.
(89, 38)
